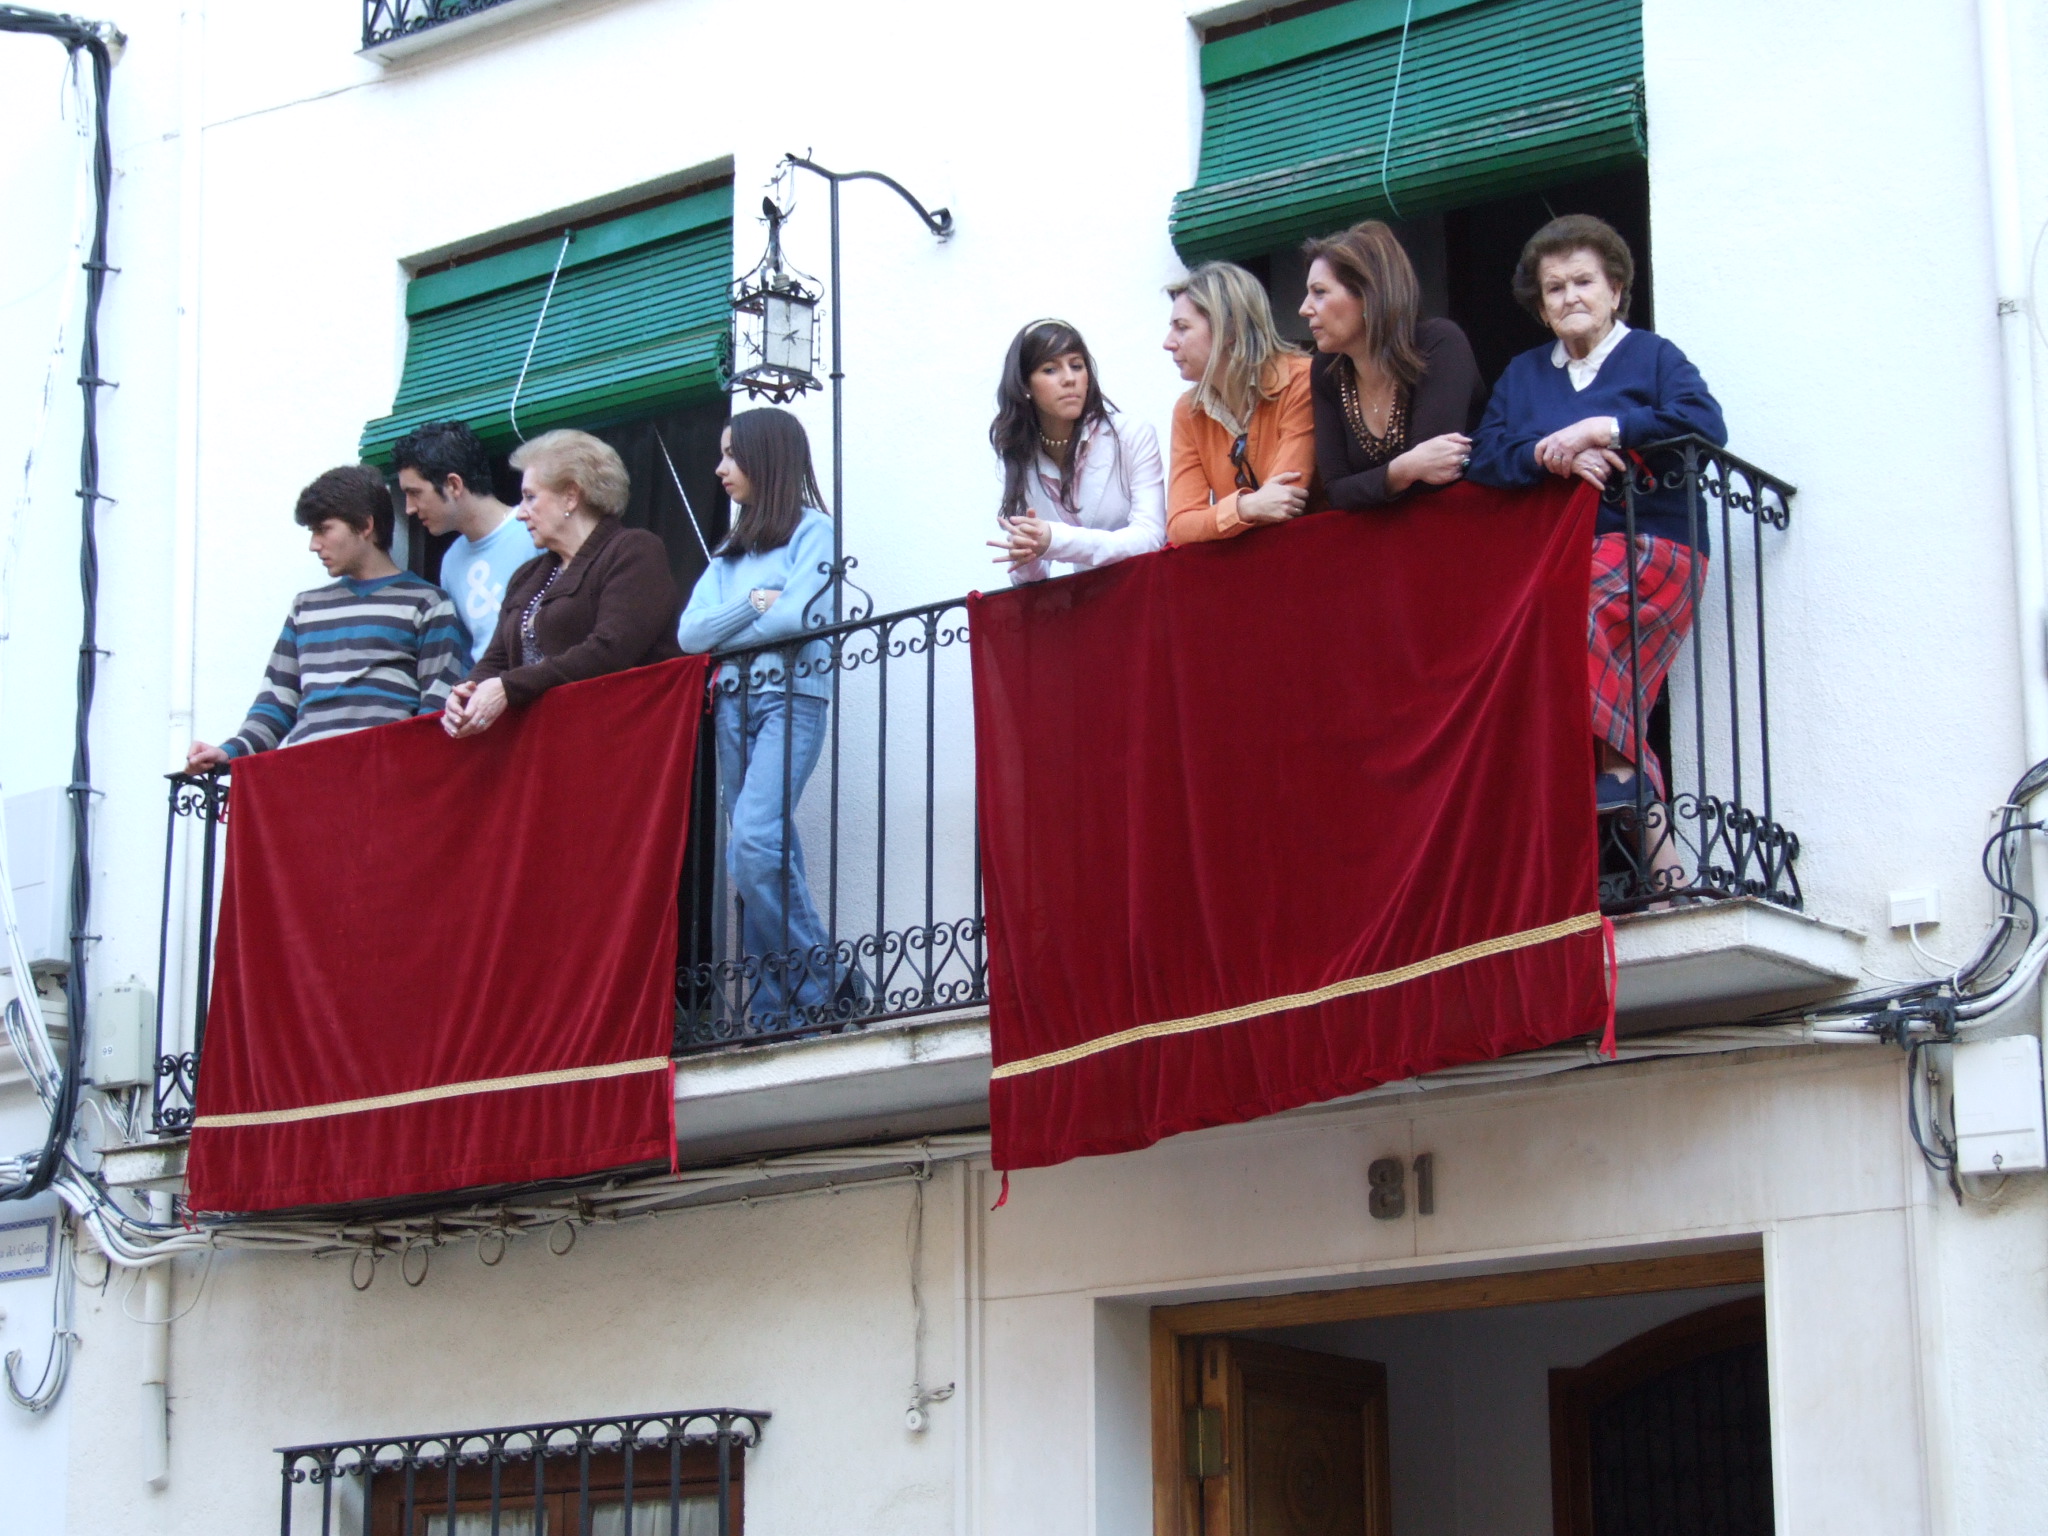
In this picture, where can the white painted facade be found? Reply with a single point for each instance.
(1823, 244)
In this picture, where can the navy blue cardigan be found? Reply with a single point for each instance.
(1645, 383)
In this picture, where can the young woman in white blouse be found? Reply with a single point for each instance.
(1082, 485)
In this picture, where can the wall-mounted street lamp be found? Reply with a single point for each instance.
(775, 346)
(775, 310)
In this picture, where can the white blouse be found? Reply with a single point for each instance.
(1119, 505)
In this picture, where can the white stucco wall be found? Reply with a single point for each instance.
(271, 184)
(803, 1308)
(799, 1307)
(1820, 229)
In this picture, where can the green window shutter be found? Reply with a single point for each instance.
(638, 320)
(1495, 98)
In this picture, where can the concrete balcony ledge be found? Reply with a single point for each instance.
(145, 1165)
(1724, 959)
(923, 1077)
(886, 1083)
(1712, 962)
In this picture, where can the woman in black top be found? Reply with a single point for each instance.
(1394, 397)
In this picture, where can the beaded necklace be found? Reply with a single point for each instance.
(529, 644)
(1377, 447)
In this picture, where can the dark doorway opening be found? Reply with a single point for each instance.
(691, 435)
(1621, 1397)
(1465, 261)
(1482, 243)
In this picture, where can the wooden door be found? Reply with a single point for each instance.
(1669, 1432)
(1284, 1442)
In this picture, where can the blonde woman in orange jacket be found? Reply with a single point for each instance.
(1244, 437)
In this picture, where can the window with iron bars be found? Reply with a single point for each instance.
(658, 1474)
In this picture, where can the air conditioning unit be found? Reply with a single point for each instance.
(38, 827)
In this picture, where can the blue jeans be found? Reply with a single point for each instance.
(766, 742)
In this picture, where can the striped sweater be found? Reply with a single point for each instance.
(355, 654)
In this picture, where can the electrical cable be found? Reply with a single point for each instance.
(96, 41)
(63, 1336)
(1943, 970)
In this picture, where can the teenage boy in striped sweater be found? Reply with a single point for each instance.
(374, 645)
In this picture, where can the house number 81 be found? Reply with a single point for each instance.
(1388, 1178)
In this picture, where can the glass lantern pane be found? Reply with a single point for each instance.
(786, 333)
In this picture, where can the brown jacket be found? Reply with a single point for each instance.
(614, 607)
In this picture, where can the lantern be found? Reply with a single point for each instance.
(775, 315)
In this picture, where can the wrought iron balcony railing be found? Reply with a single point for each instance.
(184, 960)
(386, 21)
(886, 819)
(888, 924)
(1716, 832)
(655, 1474)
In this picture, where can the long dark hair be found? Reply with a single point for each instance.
(772, 451)
(1368, 259)
(1014, 434)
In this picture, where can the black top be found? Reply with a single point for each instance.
(1448, 398)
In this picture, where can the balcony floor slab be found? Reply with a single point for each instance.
(890, 1082)
(1712, 962)
(1721, 960)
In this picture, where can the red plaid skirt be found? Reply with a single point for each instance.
(1663, 620)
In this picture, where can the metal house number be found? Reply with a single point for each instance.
(1388, 1180)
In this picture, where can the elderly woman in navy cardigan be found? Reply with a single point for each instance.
(1578, 407)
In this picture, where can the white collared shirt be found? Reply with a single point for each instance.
(1583, 370)
(1119, 501)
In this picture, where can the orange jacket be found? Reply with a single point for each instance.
(1282, 437)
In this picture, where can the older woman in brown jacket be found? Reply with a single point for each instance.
(598, 599)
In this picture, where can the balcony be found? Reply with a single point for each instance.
(1704, 885)
(395, 29)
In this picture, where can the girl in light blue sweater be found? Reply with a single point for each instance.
(763, 590)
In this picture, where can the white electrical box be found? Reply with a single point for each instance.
(1998, 1109)
(122, 1027)
(38, 826)
(1911, 909)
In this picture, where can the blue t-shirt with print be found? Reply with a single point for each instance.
(474, 574)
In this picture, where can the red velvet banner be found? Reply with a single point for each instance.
(445, 964)
(1275, 820)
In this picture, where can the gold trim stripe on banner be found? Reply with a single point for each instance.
(429, 1095)
(1527, 939)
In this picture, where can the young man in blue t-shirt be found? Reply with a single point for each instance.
(446, 477)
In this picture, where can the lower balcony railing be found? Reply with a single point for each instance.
(832, 877)
(386, 21)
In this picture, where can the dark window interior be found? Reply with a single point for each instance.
(691, 435)
(1465, 261)
(571, 1497)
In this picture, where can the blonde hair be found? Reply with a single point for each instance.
(577, 461)
(1244, 348)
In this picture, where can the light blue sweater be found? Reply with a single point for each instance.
(720, 615)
